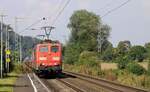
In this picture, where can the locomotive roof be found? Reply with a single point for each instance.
(49, 41)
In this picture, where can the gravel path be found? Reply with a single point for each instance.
(23, 84)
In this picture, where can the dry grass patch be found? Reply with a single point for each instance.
(108, 66)
(112, 66)
(144, 65)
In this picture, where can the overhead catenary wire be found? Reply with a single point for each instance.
(59, 7)
(108, 4)
(99, 38)
(44, 18)
(56, 10)
(38, 21)
(61, 11)
(116, 8)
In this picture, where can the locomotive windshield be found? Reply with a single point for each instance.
(54, 49)
(44, 49)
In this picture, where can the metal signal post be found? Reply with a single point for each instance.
(18, 45)
(99, 39)
(1, 72)
(20, 49)
(7, 50)
(6, 47)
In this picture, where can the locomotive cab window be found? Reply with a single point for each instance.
(44, 49)
(54, 49)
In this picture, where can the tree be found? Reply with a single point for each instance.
(103, 34)
(137, 53)
(147, 47)
(88, 59)
(84, 26)
(108, 54)
(71, 53)
(123, 47)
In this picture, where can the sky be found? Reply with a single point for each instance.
(130, 22)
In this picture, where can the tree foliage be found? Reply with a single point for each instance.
(88, 59)
(137, 53)
(84, 26)
(103, 35)
(108, 54)
(135, 68)
(148, 71)
(122, 62)
(123, 47)
(71, 53)
(147, 47)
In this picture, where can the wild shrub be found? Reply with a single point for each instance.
(148, 71)
(135, 68)
(18, 68)
(88, 59)
(122, 62)
(71, 54)
(137, 53)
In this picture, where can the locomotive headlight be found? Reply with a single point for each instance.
(43, 64)
(55, 64)
(56, 58)
(42, 58)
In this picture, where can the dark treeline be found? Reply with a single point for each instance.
(27, 42)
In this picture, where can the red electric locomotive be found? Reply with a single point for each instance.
(48, 57)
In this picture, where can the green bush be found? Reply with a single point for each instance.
(88, 59)
(122, 62)
(108, 54)
(135, 68)
(137, 53)
(71, 54)
(148, 71)
(18, 68)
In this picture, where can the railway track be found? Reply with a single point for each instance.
(75, 82)
(46, 85)
(71, 86)
(111, 86)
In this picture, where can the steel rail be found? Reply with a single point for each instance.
(71, 86)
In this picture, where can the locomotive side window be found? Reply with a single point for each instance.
(44, 49)
(54, 49)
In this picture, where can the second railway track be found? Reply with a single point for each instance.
(109, 85)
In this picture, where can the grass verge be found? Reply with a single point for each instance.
(7, 83)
